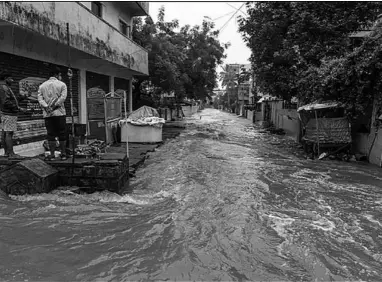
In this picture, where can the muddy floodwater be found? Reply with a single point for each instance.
(220, 202)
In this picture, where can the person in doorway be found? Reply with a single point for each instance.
(51, 96)
(9, 107)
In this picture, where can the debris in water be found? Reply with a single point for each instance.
(323, 155)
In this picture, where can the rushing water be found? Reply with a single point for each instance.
(220, 202)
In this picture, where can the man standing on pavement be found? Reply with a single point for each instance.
(51, 96)
(9, 106)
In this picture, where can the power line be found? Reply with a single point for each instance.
(231, 18)
(245, 14)
(222, 16)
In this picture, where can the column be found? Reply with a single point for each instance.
(130, 108)
(111, 83)
(82, 111)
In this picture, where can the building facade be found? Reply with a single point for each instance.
(244, 87)
(92, 38)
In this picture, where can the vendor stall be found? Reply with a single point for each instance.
(326, 129)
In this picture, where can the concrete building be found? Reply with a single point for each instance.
(244, 89)
(102, 55)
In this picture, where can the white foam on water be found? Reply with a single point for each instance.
(323, 224)
(279, 222)
(56, 197)
(69, 197)
(124, 199)
(371, 218)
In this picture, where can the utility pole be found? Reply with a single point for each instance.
(242, 101)
(237, 97)
(228, 94)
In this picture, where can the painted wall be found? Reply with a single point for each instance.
(288, 120)
(275, 107)
(112, 11)
(250, 115)
(258, 116)
(361, 143)
(364, 143)
(88, 33)
(376, 151)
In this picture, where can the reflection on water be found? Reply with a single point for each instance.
(220, 202)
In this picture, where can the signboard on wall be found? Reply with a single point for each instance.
(96, 103)
(29, 87)
(95, 92)
(113, 106)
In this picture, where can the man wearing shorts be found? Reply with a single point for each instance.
(51, 96)
(9, 106)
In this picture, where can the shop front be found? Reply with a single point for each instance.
(28, 75)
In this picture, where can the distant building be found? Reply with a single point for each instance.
(102, 54)
(244, 89)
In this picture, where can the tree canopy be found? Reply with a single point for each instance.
(182, 60)
(303, 49)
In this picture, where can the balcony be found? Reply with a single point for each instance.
(88, 33)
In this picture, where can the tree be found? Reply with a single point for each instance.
(232, 80)
(354, 79)
(181, 59)
(204, 54)
(289, 38)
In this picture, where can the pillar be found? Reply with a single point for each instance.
(130, 95)
(111, 83)
(82, 112)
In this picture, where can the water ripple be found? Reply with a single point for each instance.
(222, 202)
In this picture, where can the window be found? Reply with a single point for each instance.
(124, 28)
(97, 9)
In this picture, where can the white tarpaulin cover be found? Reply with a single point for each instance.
(143, 112)
(267, 98)
(318, 106)
(145, 116)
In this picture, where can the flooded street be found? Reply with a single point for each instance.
(220, 202)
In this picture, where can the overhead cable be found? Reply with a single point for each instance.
(245, 14)
(231, 18)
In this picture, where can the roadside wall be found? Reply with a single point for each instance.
(371, 142)
(376, 151)
(258, 116)
(275, 107)
(288, 120)
(250, 115)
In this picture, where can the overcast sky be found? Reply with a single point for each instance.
(192, 13)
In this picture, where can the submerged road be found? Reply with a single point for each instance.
(220, 202)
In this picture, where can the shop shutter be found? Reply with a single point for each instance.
(28, 74)
(23, 68)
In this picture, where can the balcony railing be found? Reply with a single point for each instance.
(88, 33)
